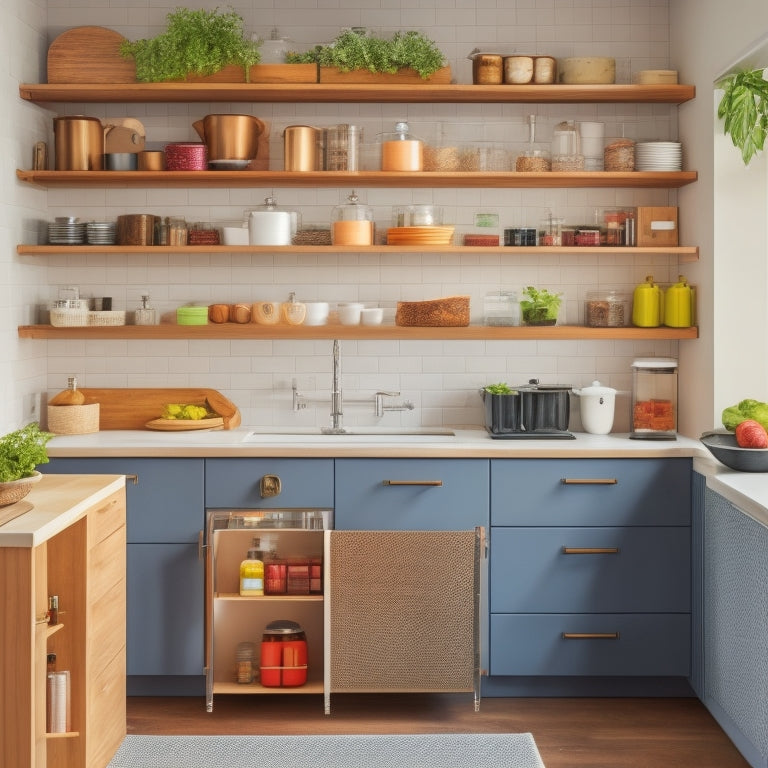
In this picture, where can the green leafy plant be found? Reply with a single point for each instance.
(352, 50)
(21, 451)
(744, 111)
(195, 42)
(499, 389)
(540, 306)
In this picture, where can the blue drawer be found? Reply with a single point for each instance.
(634, 644)
(590, 492)
(236, 483)
(411, 494)
(649, 571)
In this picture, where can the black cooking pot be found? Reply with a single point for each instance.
(527, 408)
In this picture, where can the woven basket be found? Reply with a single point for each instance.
(16, 490)
(73, 419)
(105, 317)
(66, 317)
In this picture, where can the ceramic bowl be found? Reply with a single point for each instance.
(349, 313)
(723, 446)
(372, 316)
(317, 312)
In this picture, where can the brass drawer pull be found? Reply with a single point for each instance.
(589, 481)
(433, 483)
(590, 635)
(132, 479)
(591, 550)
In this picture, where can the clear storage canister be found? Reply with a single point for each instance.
(400, 151)
(654, 399)
(352, 223)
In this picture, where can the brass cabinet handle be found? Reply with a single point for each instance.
(132, 479)
(590, 635)
(433, 483)
(589, 481)
(591, 550)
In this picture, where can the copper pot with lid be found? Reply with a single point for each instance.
(230, 138)
(79, 143)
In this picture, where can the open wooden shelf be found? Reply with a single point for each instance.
(353, 92)
(356, 179)
(235, 331)
(684, 252)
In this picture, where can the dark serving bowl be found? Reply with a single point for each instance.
(723, 446)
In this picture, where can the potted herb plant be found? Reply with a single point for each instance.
(744, 111)
(356, 56)
(540, 306)
(20, 453)
(196, 43)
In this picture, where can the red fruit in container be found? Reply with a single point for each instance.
(751, 434)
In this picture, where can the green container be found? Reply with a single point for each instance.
(192, 315)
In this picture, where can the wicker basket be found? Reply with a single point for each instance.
(73, 419)
(451, 311)
(68, 317)
(105, 317)
(16, 490)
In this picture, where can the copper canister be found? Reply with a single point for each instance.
(300, 148)
(79, 143)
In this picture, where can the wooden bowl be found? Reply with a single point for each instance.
(16, 490)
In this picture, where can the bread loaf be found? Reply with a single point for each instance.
(451, 311)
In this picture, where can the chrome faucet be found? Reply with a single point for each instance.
(337, 401)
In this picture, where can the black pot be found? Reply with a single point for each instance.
(530, 407)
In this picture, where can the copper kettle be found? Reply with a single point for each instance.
(230, 137)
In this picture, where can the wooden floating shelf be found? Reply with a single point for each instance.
(357, 179)
(354, 92)
(684, 252)
(234, 331)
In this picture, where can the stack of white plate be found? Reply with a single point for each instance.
(101, 232)
(66, 231)
(658, 156)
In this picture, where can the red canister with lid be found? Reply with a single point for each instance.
(283, 655)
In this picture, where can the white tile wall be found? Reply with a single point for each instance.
(441, 378)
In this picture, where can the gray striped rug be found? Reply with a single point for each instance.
(429, 750)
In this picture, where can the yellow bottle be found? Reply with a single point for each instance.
(646, 304)
(69, 396)
(678, 305)
(252, 572)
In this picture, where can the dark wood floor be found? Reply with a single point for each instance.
(570, 733)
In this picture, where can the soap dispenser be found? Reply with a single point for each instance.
(400, 151)
(145, 315)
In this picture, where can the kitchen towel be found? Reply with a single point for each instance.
(480, 750)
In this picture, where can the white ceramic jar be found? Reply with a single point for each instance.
(597, 408)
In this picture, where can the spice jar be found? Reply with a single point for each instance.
(352, 223)
(619, 155)
(400, 151)
(177, 231)
(487, 69)
(283, 655)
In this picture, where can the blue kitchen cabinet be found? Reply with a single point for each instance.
(412, 494)
(730, 584)
(165, 613)
(590, 576)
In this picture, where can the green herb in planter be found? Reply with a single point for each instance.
(539, 306)
(351, 51)
(21, 451)
(500, 389)
(195, 42)
(744, 110)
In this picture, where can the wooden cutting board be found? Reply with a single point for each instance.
(89, 55)
(134, 408)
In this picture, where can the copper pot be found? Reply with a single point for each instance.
(230, 137)
(79, 143)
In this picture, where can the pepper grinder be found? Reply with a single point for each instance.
(145, 315)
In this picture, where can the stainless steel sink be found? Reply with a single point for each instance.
(351, 435)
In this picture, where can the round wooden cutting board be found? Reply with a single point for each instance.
(89, 55)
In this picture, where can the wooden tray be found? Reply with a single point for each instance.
(185, 425)
(134, 408)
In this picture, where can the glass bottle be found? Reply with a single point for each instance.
(252, 572)
(400, 151)
(69, 396)
(145, 315)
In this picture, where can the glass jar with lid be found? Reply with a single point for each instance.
(401, 151)
(352, 223)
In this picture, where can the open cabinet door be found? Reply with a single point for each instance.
(403, 612)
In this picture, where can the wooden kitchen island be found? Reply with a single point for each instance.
(72, 544)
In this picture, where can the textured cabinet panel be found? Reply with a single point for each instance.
(165, 502)
(632, 644)
(165, 610)
(411, 494)
(237, 483)
(605, 570)
(645, 491)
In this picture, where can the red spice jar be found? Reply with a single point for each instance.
(283, 661)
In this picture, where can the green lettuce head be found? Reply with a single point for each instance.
(746, 409)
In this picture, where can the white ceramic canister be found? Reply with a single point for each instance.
(597, 408)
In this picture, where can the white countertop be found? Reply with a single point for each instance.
(57, 502)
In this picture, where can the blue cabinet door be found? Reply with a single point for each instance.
(411, 494)
(165, 598)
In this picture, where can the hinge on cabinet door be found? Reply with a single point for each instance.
(270, 486)
(201, 545)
